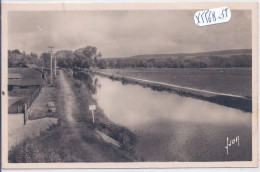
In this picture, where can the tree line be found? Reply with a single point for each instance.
(16, 58)
(83, 58)
(20, 59)
(86, 57)
(243, 60)
(89, 56)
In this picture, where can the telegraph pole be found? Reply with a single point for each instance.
(55, 66)
(51, 54)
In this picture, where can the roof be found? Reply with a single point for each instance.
(31, 65)
(14, 76)
(28, 76)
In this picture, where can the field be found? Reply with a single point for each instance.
(236, 81)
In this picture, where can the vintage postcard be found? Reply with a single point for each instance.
(129, 85)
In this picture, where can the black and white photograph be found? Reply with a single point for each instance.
(103, 84)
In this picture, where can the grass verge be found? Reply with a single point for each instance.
(83, 84)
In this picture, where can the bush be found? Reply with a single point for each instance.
(123, 135)
(78, 83)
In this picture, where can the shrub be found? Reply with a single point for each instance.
(78, 83)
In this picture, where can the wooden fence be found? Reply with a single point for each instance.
(23, 108)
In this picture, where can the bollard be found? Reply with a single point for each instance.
(25, 111)
(93, 117)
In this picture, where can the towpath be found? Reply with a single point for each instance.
(74, 138)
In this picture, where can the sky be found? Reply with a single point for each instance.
(126, 33)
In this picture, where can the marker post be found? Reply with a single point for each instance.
(92, 108)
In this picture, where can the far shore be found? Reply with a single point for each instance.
(229, 100)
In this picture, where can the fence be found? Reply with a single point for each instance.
(23, 106)
(33, 96)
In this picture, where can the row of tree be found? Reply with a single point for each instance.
(244, 60)
(84, 58)
(20, 59)
(89, 56)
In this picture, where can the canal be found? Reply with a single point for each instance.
(170, 127)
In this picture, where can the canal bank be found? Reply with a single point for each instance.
(85, 86)
(229, 100)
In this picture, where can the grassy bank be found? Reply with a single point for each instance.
(44, 148)
(85, 86)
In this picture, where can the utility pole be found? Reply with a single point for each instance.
(55, 66)
(51, 54)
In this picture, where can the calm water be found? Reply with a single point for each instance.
(170, 127)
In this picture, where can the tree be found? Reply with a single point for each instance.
(102, 64)
(148, 64)
(45, 58)
(112, 64)
(18, 59)
(86, 57)
(15, 58)
(242, 60)
(81, 58)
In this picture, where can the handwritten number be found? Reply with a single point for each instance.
(206, 15)
(198, 17)
(202, 16)
(209, 18)
(226, 11)
(213, 16)
(221, 15)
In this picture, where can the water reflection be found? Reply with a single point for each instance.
(174, 128)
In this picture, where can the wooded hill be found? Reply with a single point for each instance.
(212, 53)
(223, 59)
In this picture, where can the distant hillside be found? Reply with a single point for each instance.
(216, 59)
(225, 53)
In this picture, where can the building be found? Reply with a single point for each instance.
(33, 66)
(24, 79)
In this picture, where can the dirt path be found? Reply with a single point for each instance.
(73, 139)
(69, 98)
(80, 137)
